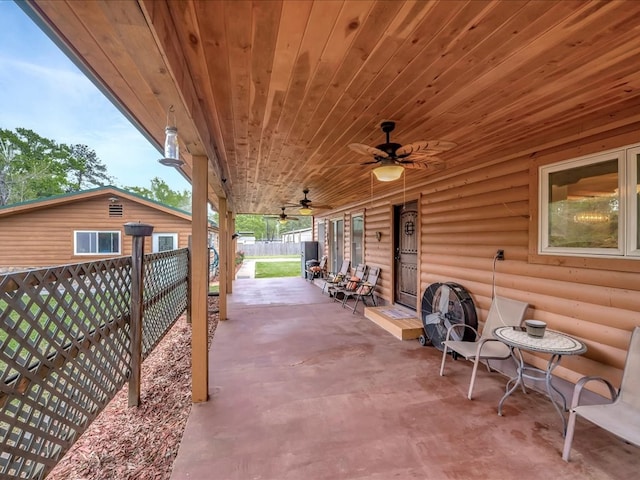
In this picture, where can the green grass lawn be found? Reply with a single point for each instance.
(277, 269)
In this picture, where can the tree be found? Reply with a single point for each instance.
(36, 168)
(268, 227)
(7, 156)
(161, 192)
(255, 224)
(303, 221)
(32, 167)
(84, 169)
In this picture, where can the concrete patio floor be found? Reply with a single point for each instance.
(302, 389)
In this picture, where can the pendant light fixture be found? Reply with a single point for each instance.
(171, 148)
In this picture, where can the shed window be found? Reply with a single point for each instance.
(96, 243)
(162, 242)
(589, 206)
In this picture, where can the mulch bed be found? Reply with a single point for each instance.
(141, 443)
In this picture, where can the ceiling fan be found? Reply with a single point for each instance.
(306, 205)
(393, 158)
(283, 218)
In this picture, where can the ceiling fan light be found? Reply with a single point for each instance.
(282, 221)
(306, 211)
(388, 173)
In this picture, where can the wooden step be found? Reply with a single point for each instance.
(399, 322)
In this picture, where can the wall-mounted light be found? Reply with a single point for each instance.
(171, 148)
(378, 236)
(113, 199)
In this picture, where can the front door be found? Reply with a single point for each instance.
(406, 254)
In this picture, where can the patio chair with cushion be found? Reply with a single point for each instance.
(317, 271)
(349, 283)
(503, 311)
(365, 289)
(337, 277)
(622, 416)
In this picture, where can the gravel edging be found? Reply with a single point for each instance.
(141, 443)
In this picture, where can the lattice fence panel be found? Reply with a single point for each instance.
(165, 294)
(64, 354)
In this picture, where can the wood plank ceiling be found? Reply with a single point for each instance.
(272, 92)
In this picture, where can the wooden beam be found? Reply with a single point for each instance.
(199, 282)
(225, 236)
(232, 252)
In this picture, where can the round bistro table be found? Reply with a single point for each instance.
(556, 344)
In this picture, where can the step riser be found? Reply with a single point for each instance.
(402, 328)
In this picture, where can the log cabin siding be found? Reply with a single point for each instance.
(466, 218)
(347, 240)
(43, 237)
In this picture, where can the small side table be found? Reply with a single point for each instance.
(556, 344)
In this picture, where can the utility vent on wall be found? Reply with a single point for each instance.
(115, 210)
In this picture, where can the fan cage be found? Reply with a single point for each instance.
(461, 309)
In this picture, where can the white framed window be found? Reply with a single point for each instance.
(633, 194)
(589, 206)
(96, 242)
(161, 242)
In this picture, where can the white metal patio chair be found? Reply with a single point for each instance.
(335, 278)
(503, 311)
(365, 289)
(622, 416)
(349, 283)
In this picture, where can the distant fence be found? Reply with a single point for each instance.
(265, 249)
(65, 349)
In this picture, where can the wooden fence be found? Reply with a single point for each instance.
(66, 349)
(265, 249)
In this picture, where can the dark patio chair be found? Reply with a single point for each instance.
(317, 271)
(337, 277)
(365, 289)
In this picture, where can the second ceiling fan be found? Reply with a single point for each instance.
(283, 218)
(306, 206)
(393, 158)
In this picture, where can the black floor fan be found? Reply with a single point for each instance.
(444, 305)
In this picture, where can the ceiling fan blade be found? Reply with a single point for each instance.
(430, 147)
(321, 207)
(429, 163)
(369, 163)
(367, 150)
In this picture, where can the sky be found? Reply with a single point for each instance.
(42, 90)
